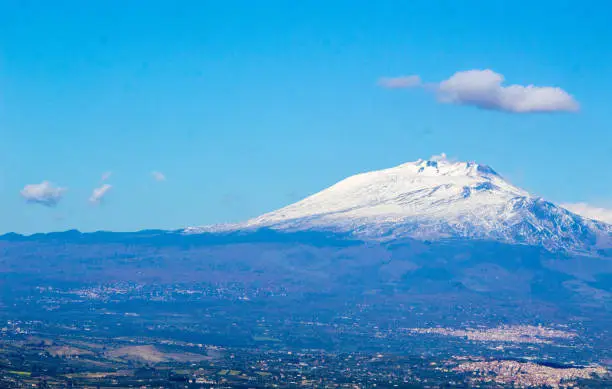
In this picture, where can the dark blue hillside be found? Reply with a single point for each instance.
(161, 238)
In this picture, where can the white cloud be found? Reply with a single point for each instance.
(586, 210)
(44, 193)
(98, 194)
(400, 82)
(106, 175)
(484, 89)
(158, 176)
(438, 157)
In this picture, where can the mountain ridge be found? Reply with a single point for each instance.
(434, 199)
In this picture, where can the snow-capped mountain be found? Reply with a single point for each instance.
(435, 199)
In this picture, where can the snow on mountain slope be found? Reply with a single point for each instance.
(435, 199)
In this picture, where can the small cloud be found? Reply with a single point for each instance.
(588, 211)
(44, 193)
(438, 157)
(400, 82)
(158, 176)
(484, 89)
(106, 175)
(98, 194)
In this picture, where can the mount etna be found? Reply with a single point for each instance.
(435, 199)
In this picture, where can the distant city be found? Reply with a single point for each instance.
(224, 335)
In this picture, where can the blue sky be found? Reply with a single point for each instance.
(247, 106)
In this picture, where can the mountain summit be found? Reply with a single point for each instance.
(435, 199)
